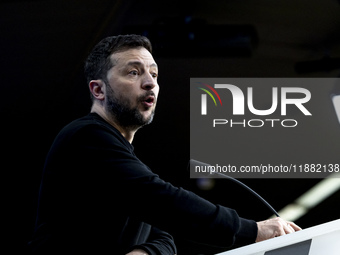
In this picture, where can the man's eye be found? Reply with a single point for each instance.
(155, 75)
(133, 72)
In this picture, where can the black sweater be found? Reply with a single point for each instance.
(97, 196)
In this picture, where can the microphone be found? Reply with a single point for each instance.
(198, 163)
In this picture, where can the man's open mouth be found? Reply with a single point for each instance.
(149, 101)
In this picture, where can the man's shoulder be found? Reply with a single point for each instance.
(92, 120)
(89, 127)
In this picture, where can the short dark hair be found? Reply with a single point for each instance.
(98, 63)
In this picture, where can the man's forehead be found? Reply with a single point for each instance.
(133, 56)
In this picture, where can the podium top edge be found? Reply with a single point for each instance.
(282, 241)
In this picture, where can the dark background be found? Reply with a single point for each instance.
(43, 47)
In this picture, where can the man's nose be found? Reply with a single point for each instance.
(148, 82)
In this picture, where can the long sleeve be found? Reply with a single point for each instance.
(192, 215)
(92, 182)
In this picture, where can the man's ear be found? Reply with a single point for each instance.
(97, 88)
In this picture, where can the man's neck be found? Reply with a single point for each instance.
(127, 133)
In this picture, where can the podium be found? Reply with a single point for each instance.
(317, 240)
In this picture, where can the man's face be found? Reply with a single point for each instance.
(132, 89)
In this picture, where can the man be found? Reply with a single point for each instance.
(97, 197)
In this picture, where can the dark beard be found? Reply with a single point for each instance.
(123, 113)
